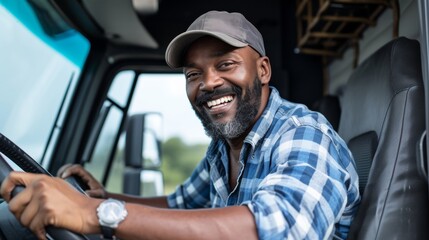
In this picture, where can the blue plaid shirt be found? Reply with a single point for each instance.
(297, 176)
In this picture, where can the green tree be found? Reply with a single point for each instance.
(179, 160)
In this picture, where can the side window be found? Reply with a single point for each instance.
(103, 138)
(182, 139)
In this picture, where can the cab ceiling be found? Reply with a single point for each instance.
(146, 24)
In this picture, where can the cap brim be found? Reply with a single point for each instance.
(176, 48)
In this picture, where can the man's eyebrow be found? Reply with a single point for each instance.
(188, 65)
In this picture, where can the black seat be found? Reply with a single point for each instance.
(382, 120)
(329, 106)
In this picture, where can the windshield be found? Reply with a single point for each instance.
(40, 62)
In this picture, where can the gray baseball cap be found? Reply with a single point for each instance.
(232, 28)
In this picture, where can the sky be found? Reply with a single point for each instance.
(165, 93)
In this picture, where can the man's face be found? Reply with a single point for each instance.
(223, 87)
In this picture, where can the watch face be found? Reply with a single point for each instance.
(111, 212)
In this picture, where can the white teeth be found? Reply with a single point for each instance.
(219, 101)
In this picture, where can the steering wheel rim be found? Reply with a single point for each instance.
(28, 164)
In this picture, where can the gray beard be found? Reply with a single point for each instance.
(247, 110)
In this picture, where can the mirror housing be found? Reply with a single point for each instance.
(143, 155)
(143, 143)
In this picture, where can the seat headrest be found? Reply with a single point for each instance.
(392, 69)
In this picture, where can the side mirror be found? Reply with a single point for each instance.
(143, 155)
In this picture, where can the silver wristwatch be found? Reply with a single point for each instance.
(110, 213)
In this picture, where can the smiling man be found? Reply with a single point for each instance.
(229, 105)
(274, 169)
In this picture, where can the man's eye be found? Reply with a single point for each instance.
(225, 65)
(191, 76)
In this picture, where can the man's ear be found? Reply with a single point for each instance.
(264, 70)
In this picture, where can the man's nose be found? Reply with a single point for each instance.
(210, 81)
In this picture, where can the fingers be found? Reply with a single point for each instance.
(25, 215)
(63, 169)
(31, 219)
(14, 179)
(38, 229)
(76, 169)
(22, 205)
(71, 169)
(50, 201)
(96, 193)
(96, 189)
(38, 216)
(20, 202)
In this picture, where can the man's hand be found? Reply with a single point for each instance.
(96, 189)
(49, 201)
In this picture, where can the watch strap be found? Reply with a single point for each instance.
(108, 232)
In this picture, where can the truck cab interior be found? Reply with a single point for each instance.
(362, 63)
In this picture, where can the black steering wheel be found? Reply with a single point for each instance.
(27, 164)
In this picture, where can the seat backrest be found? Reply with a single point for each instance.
(329, 106)
(382, 119)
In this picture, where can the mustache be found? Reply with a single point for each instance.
(203, 98)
